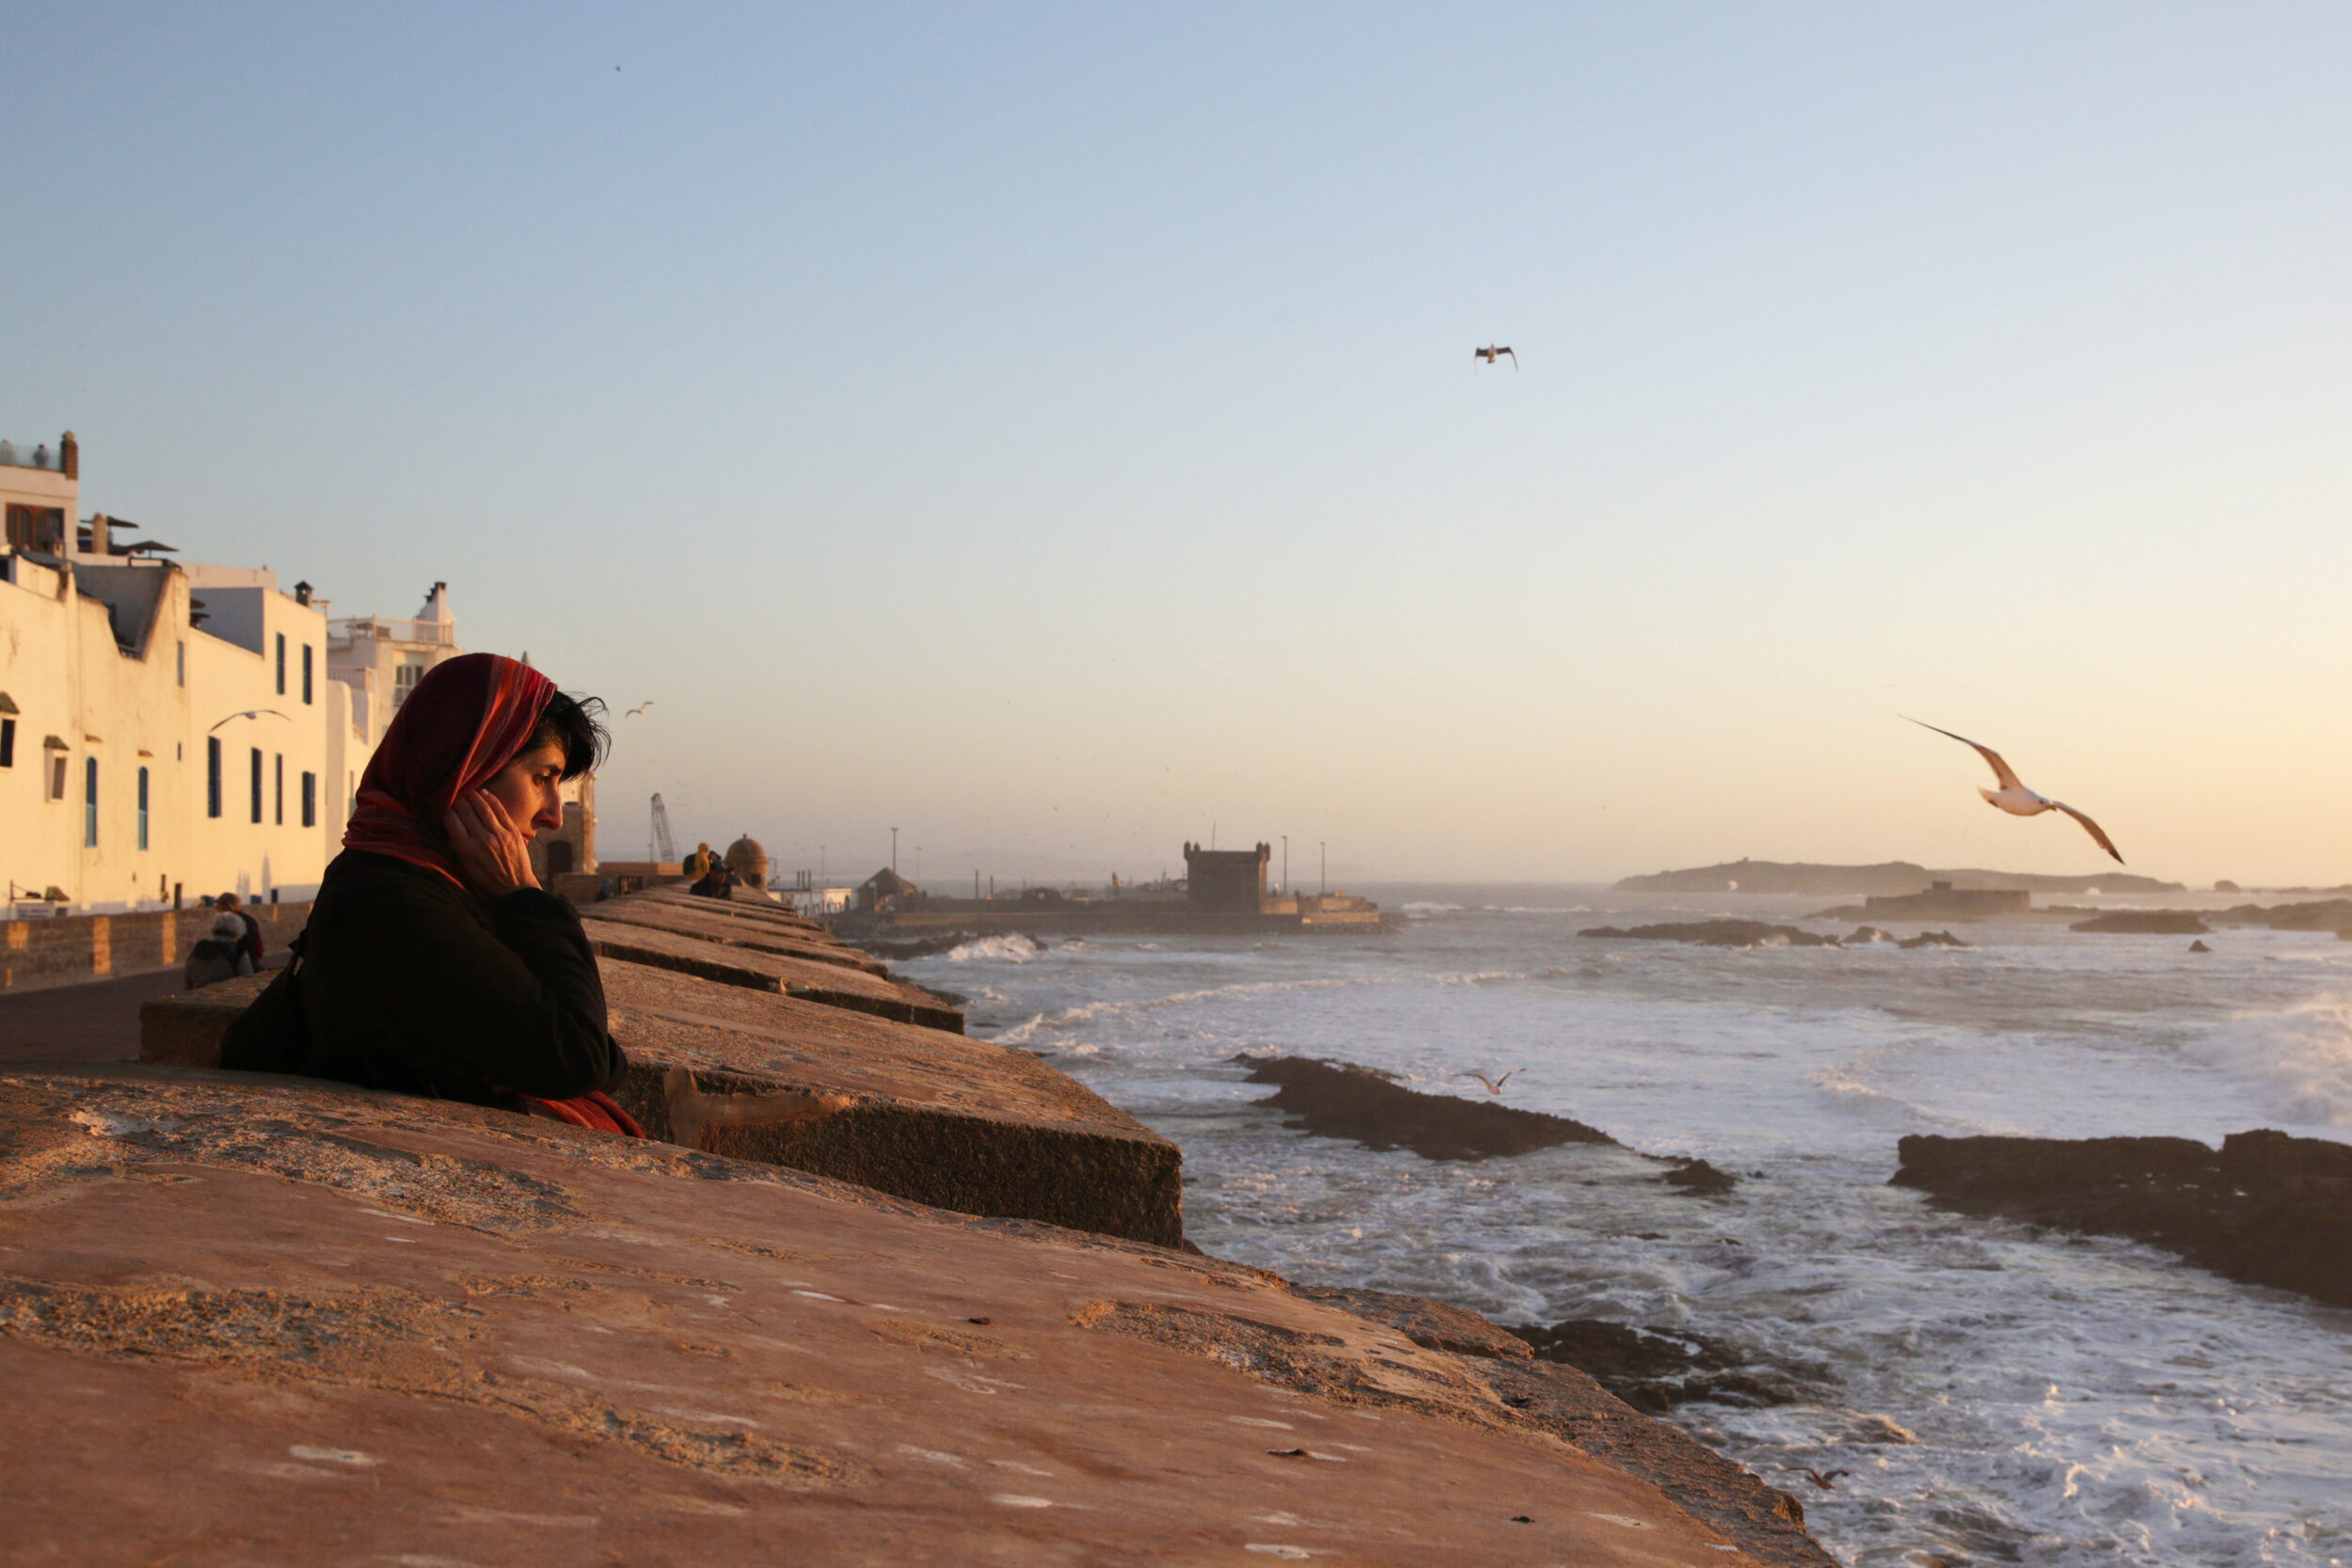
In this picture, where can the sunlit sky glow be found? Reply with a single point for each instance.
(1055, 431)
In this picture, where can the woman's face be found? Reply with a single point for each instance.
(526, 788)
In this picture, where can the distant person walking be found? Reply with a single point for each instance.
(251, 942)
(220, 955)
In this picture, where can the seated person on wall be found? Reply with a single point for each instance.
(252, 928)
(434, 963)
(220, 955)
(716, 880)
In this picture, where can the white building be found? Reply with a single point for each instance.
(167, 731)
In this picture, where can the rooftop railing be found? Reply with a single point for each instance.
(386, 629)
(41, 455)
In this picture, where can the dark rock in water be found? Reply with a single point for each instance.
(1655, 1370)
(1341, 1100)
(2199, 947)
(1716, 933)
(1864, 935)
(2162, 923)
(1700, 1179)
(1931, 939)
(2266, 1209)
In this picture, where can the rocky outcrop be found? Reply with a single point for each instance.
(275, 1321)
(1339, 1099)
(2265, 1208)
(2160, 922)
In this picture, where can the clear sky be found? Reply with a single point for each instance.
(1054, 431)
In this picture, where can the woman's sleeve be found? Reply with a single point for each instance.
(515, 1003)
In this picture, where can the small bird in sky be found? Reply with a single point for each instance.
(250, 713)
(638, 709)
(1488, 353)
(2015, 799)
(1494, 1086)
(1829, 1479)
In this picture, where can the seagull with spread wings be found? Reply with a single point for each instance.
(638, 709)
(1494, 1086)
(2015, 799)
(253, 713)
(1489, 353)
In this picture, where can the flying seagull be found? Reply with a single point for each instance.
(251, 713)
(2015, 799)
(1829, 1479)
(638, 709)
(1488, 353)
(1494, 1086)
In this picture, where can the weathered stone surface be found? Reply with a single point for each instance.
(1341, 1100)
(830, 984)
(260, 1322)
(1567, 1400)
(953, 1123)
(184, 1029)
(2266, 1209)
(716, 922)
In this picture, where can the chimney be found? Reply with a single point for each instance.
(68, 455)
(97, 521)
(302, 593)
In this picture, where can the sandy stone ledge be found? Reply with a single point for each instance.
(263, 1321)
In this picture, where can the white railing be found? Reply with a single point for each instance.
(386, 629)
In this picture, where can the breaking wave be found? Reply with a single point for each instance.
(1013, 949)
(2303, 1055)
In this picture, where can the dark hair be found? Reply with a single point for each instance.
(571, 722)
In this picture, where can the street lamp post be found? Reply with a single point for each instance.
(893, 852)
(1324, 874)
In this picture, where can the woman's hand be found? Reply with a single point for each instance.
(492, 853)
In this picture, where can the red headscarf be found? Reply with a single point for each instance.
(457, 727)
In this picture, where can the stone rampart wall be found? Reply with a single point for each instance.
(77, 947)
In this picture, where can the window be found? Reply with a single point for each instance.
(306, 671)
(257, 784)
(183, 663)
(281, 789)
(7, 743)
(281, 664)
(309, 799)
(405, 680)
(53, 784)
(90, 803)
(211, 776)
(142, 808)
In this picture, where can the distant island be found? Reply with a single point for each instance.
(1886, 878)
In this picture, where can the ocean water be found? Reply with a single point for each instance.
(1994, 1396)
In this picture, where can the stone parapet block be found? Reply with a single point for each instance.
(830, 983)
(952, 1123)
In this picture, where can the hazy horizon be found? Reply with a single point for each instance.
(1054, 433)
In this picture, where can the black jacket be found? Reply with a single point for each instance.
(408, 983)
